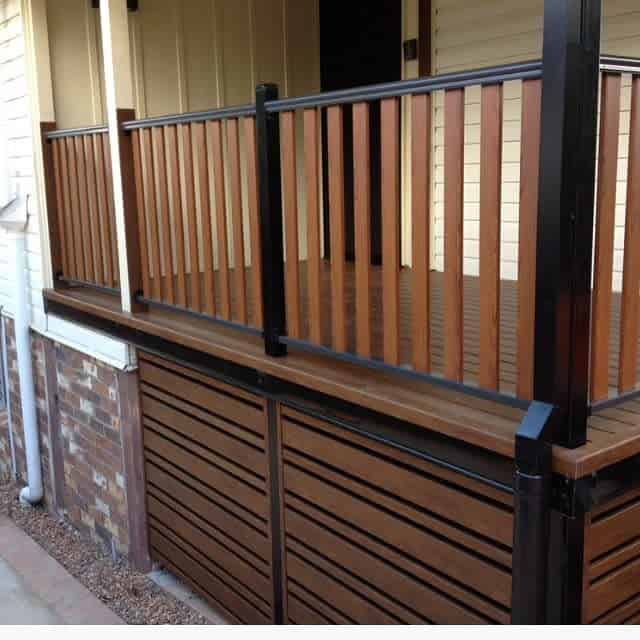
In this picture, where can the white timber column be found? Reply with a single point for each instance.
(120, 101)
(42, 109)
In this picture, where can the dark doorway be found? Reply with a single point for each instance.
(360, 44)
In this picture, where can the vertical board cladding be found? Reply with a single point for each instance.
(612, 562)
(208, 486)
(469, 35)
(375, 535)
(191, 56)
(16, 155)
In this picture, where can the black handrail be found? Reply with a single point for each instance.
(195, 116)
(78, 131)
(622, 64)
(489, 75)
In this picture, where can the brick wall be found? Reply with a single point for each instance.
(90, 428)
(87, 414)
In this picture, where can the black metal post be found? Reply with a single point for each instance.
(532, 508)
(273, 292)
(566, 214)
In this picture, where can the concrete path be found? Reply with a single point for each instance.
(35, 589)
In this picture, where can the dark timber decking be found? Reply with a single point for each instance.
(614, 434)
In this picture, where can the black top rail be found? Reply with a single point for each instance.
(621, 64)
(195, 116)
(490, 75)
(79, 131)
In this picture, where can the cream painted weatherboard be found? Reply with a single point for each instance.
(470, 34)
(19, 129)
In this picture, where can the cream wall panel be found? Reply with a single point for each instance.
(269, 50)
(75, 60)
(235, 36)
(199, 54)
(157, 26)
(17, 111)
(469, 34)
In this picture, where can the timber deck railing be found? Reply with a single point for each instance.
(196, 213)
(81, 206)
(411, 337)
(266, 217)
(615, 317)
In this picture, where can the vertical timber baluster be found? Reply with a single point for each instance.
(362, 212)
(490, 201)
(453, 245)
(528, 223)
(605, 235)
(421, 212)
(627, 377)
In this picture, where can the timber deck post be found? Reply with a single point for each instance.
(270, 187)
(571, 59)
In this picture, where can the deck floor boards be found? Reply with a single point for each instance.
(614, 434)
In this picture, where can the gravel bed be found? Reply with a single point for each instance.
(131, 595)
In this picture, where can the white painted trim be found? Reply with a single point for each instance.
(41, 109)
(95, 71)
(114, 20)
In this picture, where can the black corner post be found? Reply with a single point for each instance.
(571, 58)
(532, 513)
(273, 292)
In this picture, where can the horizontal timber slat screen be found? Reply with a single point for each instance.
(616, 282)
(81, 206)
(207, 474)
(197, 190)
(369, 539)
(349, 184)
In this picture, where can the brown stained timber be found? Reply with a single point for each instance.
(627, 377)
(237, 222)
(173, 170)
(253, 201)
(453, 243)
(207, 491)
(216, 133)
(143, 224)
(76, 214)
(312, 186)
(604, 237)
(92, 198)
(69, 242)
(490, 201)
(151, 209)
(51, 172)
(205, 214)
(349, 528)
(335, 126)
(162, 199)
(188, 183)
(528, 225)
(390, 122)
(420, 235)
(87, 246)
(104, 218)
(290, 201)
(612, 563)
(362, 212)
(128, 183)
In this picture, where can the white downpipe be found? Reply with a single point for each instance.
(33, 493)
